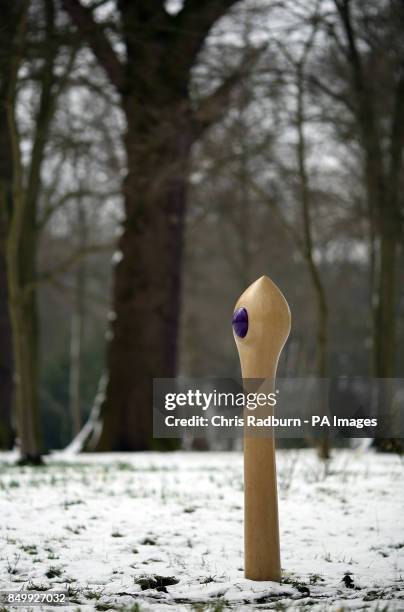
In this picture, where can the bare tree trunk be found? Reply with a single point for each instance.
(21, 252)
(386, 309)
(6, 354)
(13, 203)
(11, 15)
(322, 308)
(385, 315)
(23, 316)
(76, 342)
(77, 326)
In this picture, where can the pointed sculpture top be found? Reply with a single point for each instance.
(261, 324)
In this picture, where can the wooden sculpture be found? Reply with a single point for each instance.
(261, 325)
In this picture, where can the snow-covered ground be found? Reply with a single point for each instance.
(165, 532)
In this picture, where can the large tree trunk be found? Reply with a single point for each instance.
(6, 179)
(13, 16)
(21, 273)
(385, 308)
(6, 356)
(24, 320)
(147, 281)
(384, 319)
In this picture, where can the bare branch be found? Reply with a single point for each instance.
(344, 12)
(195, 20)
(95, 298)
(69, 262)
(95, 37)
(44, 116)
(72, 195)
(213, 107)
(266, 198)
(335, 95)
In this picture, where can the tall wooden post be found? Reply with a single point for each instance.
(261, 324)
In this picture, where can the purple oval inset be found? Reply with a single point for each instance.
(240, 322)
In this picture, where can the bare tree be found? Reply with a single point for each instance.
(21, 241)
(11, 16)
(367, 62)
(152, 77)
(23, 220)
(305, 197)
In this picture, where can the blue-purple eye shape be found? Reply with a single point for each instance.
(240, 322)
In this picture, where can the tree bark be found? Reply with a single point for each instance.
(21, 253)
(384, 349)
(10, 18)
(6, 353)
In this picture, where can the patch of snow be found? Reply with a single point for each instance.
(166, 531)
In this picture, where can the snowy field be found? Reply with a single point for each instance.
(164, 532)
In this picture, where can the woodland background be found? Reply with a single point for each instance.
(157, 157)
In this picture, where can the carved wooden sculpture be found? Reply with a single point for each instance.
(261, 324)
